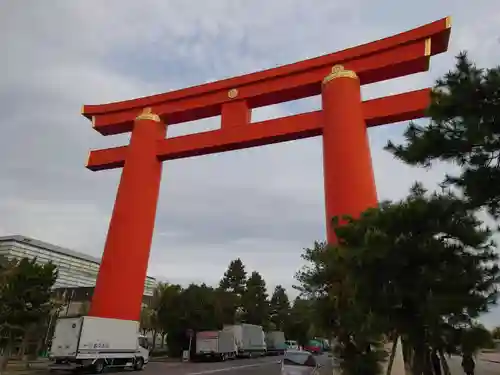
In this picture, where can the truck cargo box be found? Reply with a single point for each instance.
(253, 337)
(87, 335)
(97, 343)
(227, 342)
(65, 340)
(207, 342)
(249, 338)
(275, 342)
(216, 344)
(108, 335)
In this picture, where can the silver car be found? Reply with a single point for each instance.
(299, 362)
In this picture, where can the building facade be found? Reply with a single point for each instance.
(75, 270)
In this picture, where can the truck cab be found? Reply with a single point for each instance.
(143, 346)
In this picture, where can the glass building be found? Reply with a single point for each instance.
(75, 270)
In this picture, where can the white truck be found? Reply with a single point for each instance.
(250, 339)
(219, 345)
(96, 343)
(275, 342)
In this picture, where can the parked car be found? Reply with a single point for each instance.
(299, 362)
(314, 346)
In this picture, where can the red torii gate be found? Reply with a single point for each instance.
(348, 173)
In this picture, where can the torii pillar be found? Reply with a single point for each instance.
(122, 273)
(347, 164)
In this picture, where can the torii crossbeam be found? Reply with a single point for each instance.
(342, 123)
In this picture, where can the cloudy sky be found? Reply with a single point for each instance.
(263, 205)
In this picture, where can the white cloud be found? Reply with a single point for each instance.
(262, 204)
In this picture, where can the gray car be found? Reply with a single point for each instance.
(299, 362)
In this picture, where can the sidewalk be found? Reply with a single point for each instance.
(18, 367)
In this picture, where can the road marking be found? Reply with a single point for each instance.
(233, 368)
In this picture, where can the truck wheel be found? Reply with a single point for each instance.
(99, 366)
(139, 364)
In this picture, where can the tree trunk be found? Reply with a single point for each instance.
(444, 362)
(38, 348)
(163, 340)
(428, 370)
(418, 363)
(407, 354)
(154, 339)
(24, 345)
(4, 359)
(393, 353)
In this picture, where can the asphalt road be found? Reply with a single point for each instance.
(270, 366)
(482, 367)
(256, 366)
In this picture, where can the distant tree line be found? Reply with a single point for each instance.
(239, 298)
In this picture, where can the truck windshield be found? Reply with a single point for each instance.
(299, 359)
(143, 341)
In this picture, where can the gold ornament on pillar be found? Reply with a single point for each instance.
(338, 71)
(147, 114)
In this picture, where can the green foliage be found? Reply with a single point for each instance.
(234, 279)
(332, 290)
(279, 306)
(474, 338)
(233, 286)
(301, 318)
(174, 310)
(25, 288)
(145, 321)
(495, 333)
(332, 293)
(412, 268)
(464, 129)
(197, 308)
(358, 359)
(255, 300)
(226, 307)
(25, 303)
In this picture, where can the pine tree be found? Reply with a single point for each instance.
(301, 317)
(234, 278)
(255, 300)
(413, 268)
(495, 333)
(464, 129)
(279, 308)
(231, 288)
